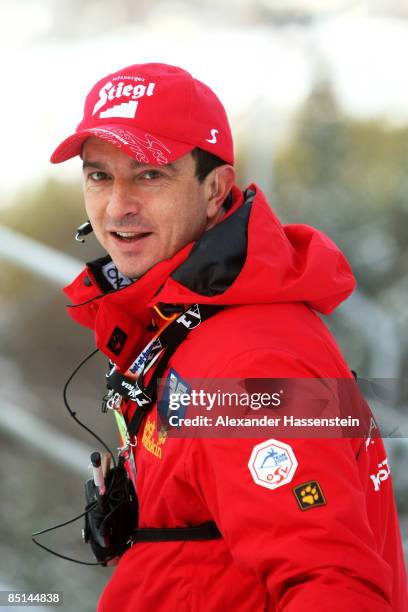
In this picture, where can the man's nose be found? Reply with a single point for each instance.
(122, 200)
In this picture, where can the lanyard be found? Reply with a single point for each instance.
(157, 352)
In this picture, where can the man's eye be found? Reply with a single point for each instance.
(97, 176)
(151, 174)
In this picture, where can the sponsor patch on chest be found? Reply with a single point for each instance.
(152, 439)
(174, 387)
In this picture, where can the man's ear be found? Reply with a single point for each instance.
(219, 183)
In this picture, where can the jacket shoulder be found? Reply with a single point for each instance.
(262, 340)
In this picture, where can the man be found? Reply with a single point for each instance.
(320, 531)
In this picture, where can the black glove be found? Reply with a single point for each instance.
(108, 526)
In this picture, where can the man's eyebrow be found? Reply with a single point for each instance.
(137, 165)
(87, 163)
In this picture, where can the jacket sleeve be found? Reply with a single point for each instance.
(321, 558)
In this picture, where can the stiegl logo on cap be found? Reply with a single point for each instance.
(110, 92)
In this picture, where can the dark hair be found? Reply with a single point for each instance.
(205, 162)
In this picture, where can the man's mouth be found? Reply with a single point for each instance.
(130, 236)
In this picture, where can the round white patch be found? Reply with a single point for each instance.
(272, 464)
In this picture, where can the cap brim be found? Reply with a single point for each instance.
(138, 144)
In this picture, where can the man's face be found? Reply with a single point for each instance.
(142, 214)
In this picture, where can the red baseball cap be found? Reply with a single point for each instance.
(154, 113)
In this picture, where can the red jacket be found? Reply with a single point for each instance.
(343, 554)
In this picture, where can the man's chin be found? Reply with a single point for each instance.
(134, 271)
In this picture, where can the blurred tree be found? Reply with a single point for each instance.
(348, 178)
